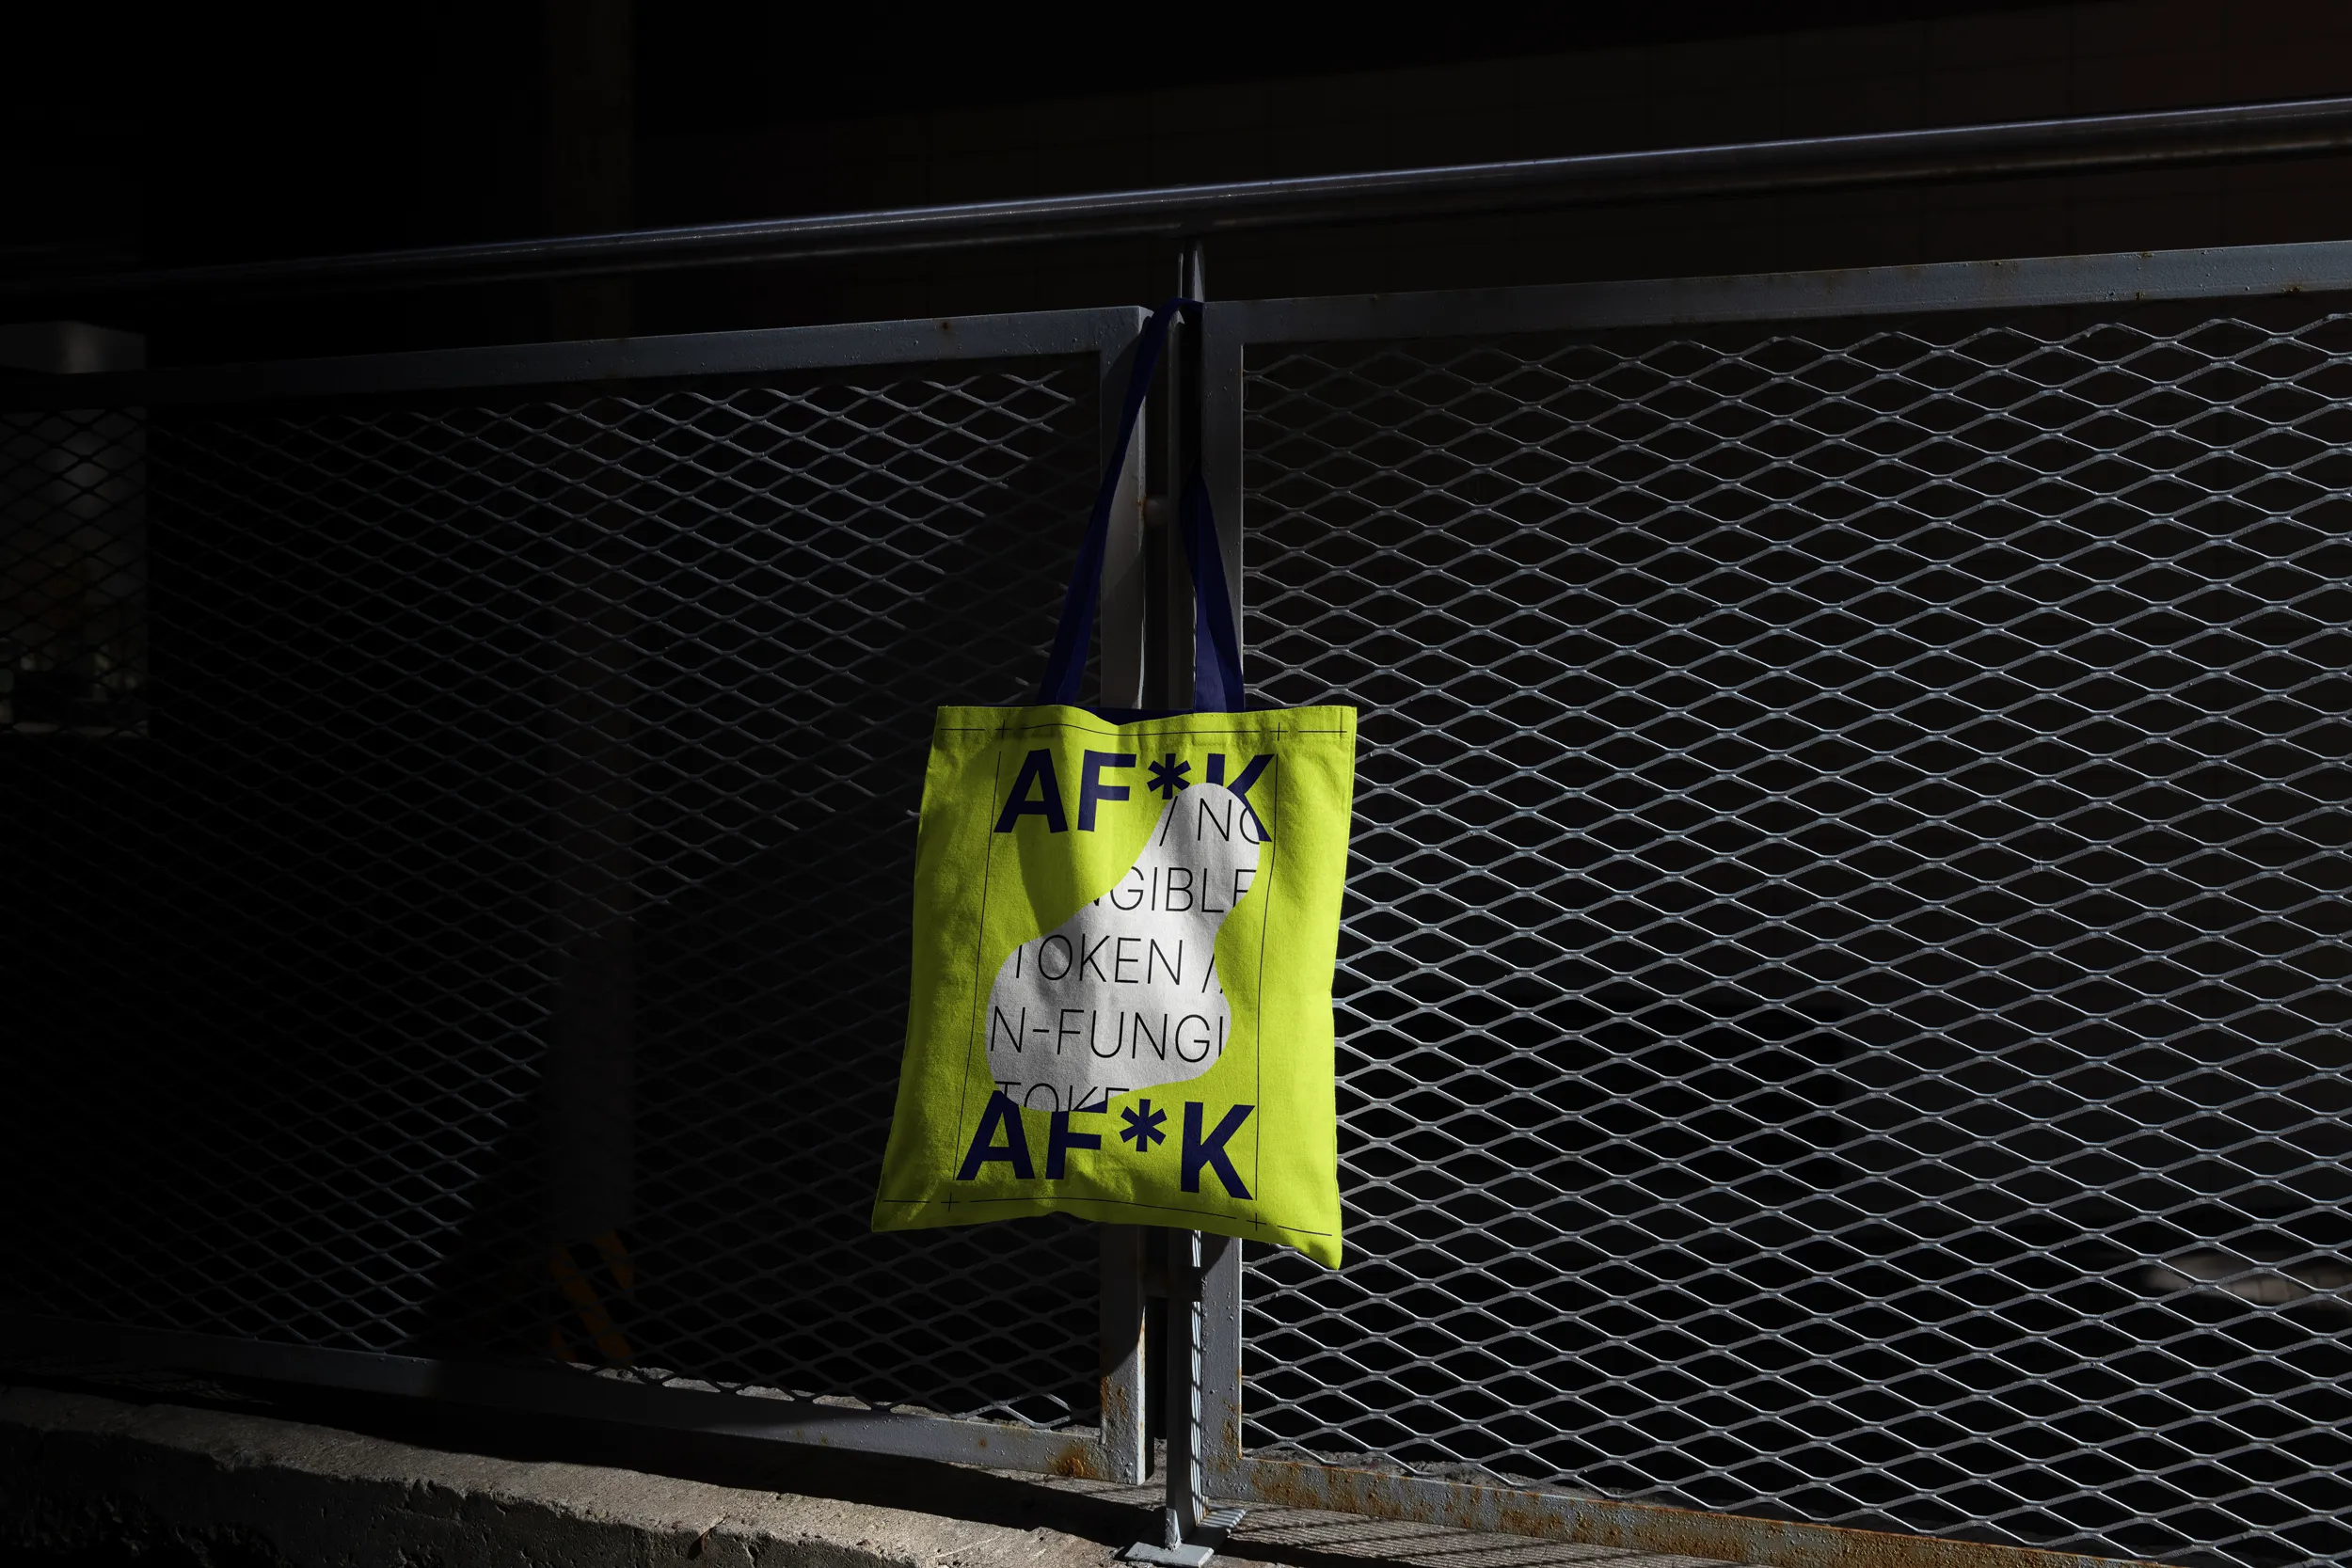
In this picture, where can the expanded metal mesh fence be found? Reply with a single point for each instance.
(457, 850)
(1842, 1001)
(1842, 996)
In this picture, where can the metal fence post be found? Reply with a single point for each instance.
(1126, 1444)
(1181, 1399)
(1121, 624)
(1195, 1418)
(1221, 1467)
(1216, 375)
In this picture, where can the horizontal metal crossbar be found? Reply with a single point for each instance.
(669, 356)
(2029, 283)
(2163, 138)
(1729, 1538)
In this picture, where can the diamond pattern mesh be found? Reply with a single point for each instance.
(1842, 998)
(72, 571)
(492, 941)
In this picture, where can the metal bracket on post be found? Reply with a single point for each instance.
(1190, 1530)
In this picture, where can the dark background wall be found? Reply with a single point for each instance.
(187, 136)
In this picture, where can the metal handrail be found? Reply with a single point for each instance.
(2168, 138)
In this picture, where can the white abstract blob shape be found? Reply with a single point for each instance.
(1125, 994)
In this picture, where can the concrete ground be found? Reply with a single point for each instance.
(200, 1475)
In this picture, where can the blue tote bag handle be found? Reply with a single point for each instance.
(1217, 644)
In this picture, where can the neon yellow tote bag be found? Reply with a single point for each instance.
(1124, 928)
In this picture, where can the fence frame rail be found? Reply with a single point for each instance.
(1120, 1449)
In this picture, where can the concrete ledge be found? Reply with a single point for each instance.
(85, 1476)
(80, 1474)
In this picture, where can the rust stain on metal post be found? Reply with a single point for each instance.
(1640, 1526)
(1075, 1462)
(1117, 1411)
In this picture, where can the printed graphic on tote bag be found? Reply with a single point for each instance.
(1125, 994)
(1120, 1005)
